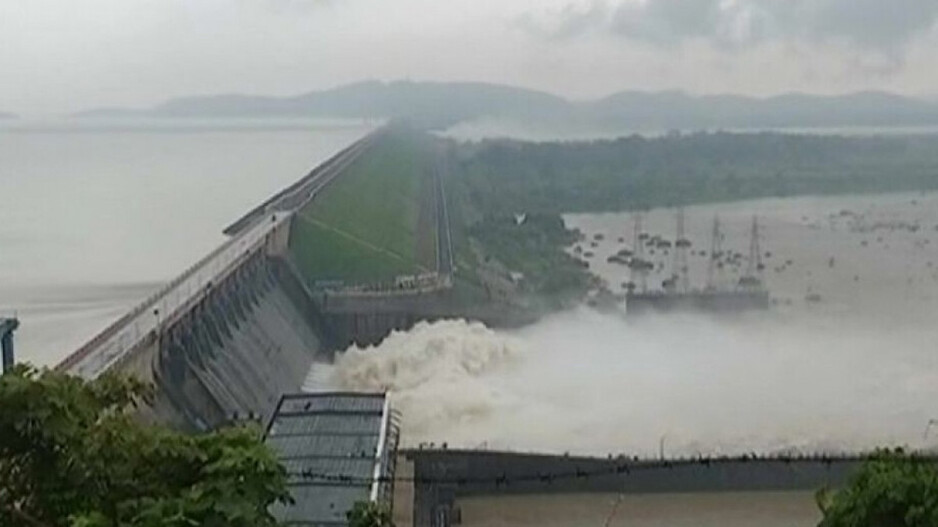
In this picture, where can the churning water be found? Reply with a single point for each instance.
(591, 383)
(854, 370)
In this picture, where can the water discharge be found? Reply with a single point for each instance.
(595, 383)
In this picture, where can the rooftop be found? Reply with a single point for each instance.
(338, 450)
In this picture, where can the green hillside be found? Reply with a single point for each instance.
(374, 222)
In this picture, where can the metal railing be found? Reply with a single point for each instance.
(290, 198)
(154, 300)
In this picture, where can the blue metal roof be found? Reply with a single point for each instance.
(331, 445)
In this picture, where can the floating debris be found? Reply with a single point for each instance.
(639, 264)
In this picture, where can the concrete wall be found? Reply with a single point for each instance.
(232, 354)
(364, 319)
(441, 476)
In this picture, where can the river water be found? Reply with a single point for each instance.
(849, 369)
(869, 258)
(854, 288)
(95, 215)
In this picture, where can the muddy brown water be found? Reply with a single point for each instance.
(868, 256)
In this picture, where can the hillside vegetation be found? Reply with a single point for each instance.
(639, 172)
(505, 199)
(496, 182)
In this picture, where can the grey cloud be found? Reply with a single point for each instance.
(570, 21)
(873, 23)
(669, 22)
(883, 26)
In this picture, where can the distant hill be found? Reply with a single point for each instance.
(8, 115)
(113, 112)
(438, 103)
(421, 100)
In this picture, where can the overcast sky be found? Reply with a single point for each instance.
(66, 55)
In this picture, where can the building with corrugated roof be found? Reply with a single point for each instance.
(339, 448)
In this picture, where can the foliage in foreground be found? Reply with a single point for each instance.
(369, 514)
(893, 489)
(72, 454)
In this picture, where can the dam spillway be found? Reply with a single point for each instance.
(232, 333)
(241, 327)
(237, 353)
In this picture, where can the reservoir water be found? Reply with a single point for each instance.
(95, 215)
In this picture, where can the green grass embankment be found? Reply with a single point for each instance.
(365, 226)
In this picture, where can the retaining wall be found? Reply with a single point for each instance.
(442, 476)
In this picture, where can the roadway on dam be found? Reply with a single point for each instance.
(101, 352)
(248, 234)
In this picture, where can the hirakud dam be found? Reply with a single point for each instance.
(526, 353)
(377, 239)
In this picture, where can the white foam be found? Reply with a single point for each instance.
(585, 382)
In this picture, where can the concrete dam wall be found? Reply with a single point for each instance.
(231, 334)
(255, 336)
(235, 353)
